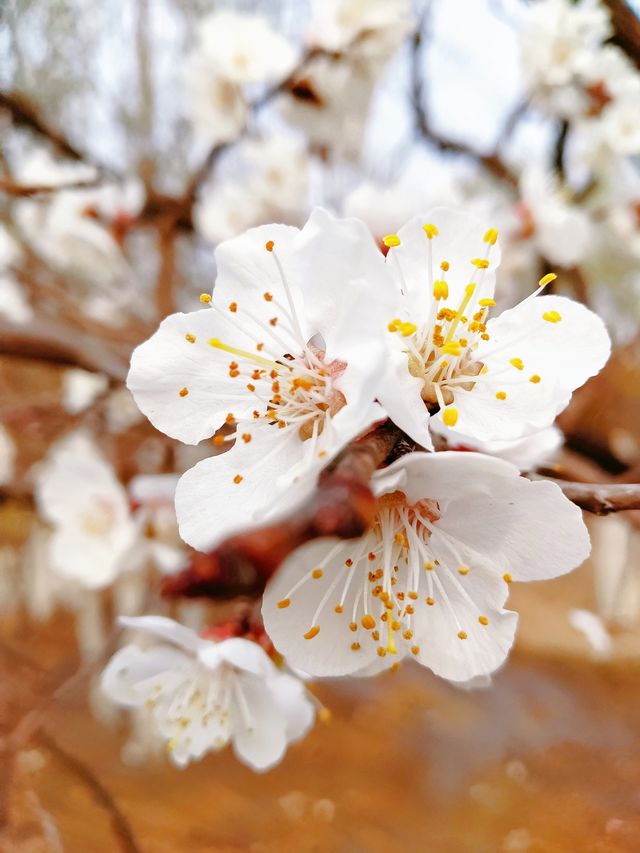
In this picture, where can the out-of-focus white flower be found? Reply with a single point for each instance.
(496, 379)
(7, 456)
(78, 493)
(371, 27)
(121, 410)
(592, 627)
(14, 305)
(430, 579)
(233, 50)
(558, 38)
(80, 388)
(289, 351)
(562, 232)
(273, 188)
(615, 559)
(335, 90)
(153, 497)
(204, 695)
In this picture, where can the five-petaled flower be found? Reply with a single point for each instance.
(203, 695)
(431, 577)
(496, 379)
(289, 350)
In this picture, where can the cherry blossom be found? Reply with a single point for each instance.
(430, 579)
(496, 379)
(203, 695)
(289, 351)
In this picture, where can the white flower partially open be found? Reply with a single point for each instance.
(489, 379)
(203, 695)
(431, 577)
(289, 350)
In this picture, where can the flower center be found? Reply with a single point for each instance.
(99, 519)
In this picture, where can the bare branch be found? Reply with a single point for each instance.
(602, 498)
(26, 191)
(626, 27)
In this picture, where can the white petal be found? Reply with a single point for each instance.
(296, 706)
(259, 742)
(400, 394)
(128, 678)
(246, 655)
(459, 241)
(165, 628)
(168, 363)
(211, 506)
(330, 652)
(94, 561)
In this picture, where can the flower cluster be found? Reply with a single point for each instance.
(312, 337)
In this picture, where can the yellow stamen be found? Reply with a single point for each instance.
(395, 324)
(517, 363)
(547, 279)
(462, 635)
(480, 263)
(284, 603)
(216, 343)
(183, 392)
(506, 577)
(430, 230)
(463, 570)
(487, 303)
(483, 620)
(501, 395)
(391, 240)
(469, 290)
(450, 416)
(551, 316)
(238, 479)
(312, 632)
(440, 289)
(407, 329)
(444, 266)
(190, 338)
(269, 245)
(451, 348)
(205, 297)
(535, 379)
(316, 574)
(491, 236)
(368, 622)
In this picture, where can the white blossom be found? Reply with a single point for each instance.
(289, 351)
(8, 454)
(431, 577)
(203, 695)
(80, 388)
(496, 379)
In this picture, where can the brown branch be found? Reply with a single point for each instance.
(26, 191)
(626, 27)
(25, 114)
(602, 498)
(120, 825)
(164, 295)
(343, 506)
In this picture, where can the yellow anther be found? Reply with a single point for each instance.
(285, 602)
(353, 626)
(450, 416)
(415, 650)
(428, 566)
(183, 392)
(483, 620)
(517, 363)
(480, 263)
(444, 266)
(216, 343)
(368, 622)
(535, 379)
(491, 236)
(430, 230)
(316, 574)
(430, 601)
(238, 479)
(391, 240)
(246, 437)
(338, 608)
(451, 348)
(462, 635)
(551, 316)
(487, 303)
(440, 289)
(205, 297)
(506, 577)
(407, 329)
(395, 324)
(190, 338)
(381, 652)
(547, 279)
(269, 245)
(355, 647)
(501, 395)
(463, 570)
(312, 632)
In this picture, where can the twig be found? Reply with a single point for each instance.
(26, 191)
(121, 826)
(602, 498)
(342, 506)
(626, 27)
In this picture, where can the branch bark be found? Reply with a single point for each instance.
(602, 498)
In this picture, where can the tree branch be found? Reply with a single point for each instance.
(602, 498)
(342, 506)
(626, 27)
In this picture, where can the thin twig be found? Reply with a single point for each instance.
(121, 827)
(602, 498)
(27, 190)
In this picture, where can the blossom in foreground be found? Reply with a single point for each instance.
(289, 350)
(496, 379)
(430, 579)
(203, 695)
(79, 494)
